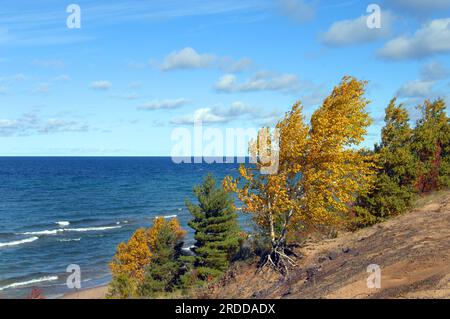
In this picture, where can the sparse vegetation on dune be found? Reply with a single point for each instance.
(324, 184)
(412, 250)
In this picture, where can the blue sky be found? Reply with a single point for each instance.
(137, 70)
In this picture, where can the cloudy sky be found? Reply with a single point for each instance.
(138, 69)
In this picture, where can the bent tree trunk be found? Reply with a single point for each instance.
(278, 257)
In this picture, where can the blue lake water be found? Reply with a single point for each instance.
(57, 211)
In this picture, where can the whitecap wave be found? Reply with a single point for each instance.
(60, 230)
(19, 242)
(91, 228)
(170, 216)
(29, 282)
(43, 232)
(63, 223)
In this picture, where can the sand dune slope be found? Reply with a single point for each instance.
(412, 251)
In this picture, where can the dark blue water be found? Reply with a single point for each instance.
(60, 211)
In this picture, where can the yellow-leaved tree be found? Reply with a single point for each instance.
(131, 260)
(320, 171)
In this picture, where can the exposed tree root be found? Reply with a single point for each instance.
(280, 259)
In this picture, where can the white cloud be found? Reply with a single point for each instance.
(229, 65)
(58, 125)
(416, 88)
(348, 32)
(262, 81)
(101, 85)
(300, 11)
(6, 124)
(236, 110)
(269, 120)
(3, 90)
(205, 115)
(187, 58)
(226, 83)
(432, 38)
(434, 71)
(425, 87)
(31, 123)
(163, 104)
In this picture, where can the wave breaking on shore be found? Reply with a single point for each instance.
(29, 282)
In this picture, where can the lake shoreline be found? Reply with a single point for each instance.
(89, 293)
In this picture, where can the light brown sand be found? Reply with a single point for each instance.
(93, 293)
(412, 250)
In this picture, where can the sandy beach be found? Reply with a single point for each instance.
(92, 293)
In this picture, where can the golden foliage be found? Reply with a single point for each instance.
(320, 171)
(132, 257)
(158, 224)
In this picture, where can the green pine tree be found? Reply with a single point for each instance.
(393, 189)
(431, 144)
(166, 267)
(122, 287)
(217, 233)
